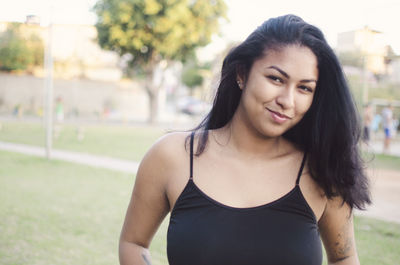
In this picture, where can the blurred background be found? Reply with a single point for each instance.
(87, 86)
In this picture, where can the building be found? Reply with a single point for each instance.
(369, 45)
(76, 53)
(32, 20)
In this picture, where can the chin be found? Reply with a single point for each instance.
(272, 133)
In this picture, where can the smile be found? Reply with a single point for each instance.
(278, 117)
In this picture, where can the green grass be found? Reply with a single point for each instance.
(126, 142)
(63, 213)
(383, 161)
(377, 242)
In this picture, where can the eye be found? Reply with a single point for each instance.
(275, 79)
(306, 88)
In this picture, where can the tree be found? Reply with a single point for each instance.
(155, 30)
(192, 74)
(352, 58)
(18, 52)
(36, 46)
(14, 53)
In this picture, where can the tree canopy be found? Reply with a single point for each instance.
(17, 52)
(155, 30)
(151, 30)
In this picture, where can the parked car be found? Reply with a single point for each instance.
(193, 106)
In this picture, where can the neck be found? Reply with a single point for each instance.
(246, 141)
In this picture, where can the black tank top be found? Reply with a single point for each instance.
(203, 231)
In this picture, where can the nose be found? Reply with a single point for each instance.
(286, 98)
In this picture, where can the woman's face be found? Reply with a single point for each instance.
(279, 89)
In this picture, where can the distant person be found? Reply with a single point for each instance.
(59, 111)
(271, 170)
(367, 119)
(18, 111)
(387, 122)
(376, 121)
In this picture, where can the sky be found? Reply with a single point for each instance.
(332, 17)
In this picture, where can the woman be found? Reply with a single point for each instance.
(273, 168)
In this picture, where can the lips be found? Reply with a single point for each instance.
(278, 117)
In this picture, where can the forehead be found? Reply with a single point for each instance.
(297, 61)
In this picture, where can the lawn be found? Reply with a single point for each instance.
(377, 242)
(119, 141)
(383, 161)
(63, 213)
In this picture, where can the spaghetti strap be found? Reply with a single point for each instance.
(301, 169)
(191, 155)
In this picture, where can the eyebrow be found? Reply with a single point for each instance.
(287, 76)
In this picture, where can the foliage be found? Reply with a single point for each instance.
(191, 77)
(14, 53)
(155, 30)
(151, 29)
(192, 74)
(381, 89)
(18, 52)
(385, 90)
(353, 58)
(35, 44)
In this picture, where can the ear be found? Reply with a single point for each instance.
(240, 80)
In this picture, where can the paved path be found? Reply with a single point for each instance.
(385, 183)
(377, 147)
(385, 189)
(75, 157)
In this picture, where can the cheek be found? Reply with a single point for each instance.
(303, 106)
(253, 95)
(263, 93)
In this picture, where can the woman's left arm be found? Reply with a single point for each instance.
(337, 233)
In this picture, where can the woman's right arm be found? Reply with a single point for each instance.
(148, 205)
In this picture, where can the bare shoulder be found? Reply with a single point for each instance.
(171, 142)
(166, 154)
(166, 165)
(150, 202)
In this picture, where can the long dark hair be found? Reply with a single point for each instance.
(330, 130)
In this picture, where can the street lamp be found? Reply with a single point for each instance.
(48, 64)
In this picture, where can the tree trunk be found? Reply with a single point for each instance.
(152, 92)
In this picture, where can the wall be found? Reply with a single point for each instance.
(125, 100)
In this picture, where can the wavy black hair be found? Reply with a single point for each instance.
(330, 130)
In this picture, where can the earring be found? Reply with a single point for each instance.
(239, 83)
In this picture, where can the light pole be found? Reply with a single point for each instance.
(364, 90)
(49, 92)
